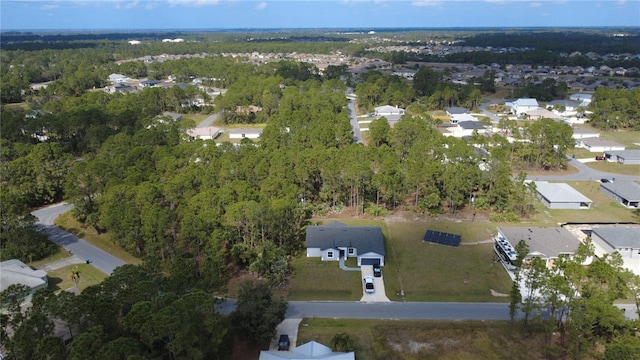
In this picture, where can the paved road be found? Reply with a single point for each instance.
(208, 121)
(493, 117)
(353, 119)
(585, 173)
(100, 259)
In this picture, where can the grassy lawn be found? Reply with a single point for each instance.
(615, 167)
(103, 241)
(630, 139)
(405, 339)
(603, 208)
(421, 271)
(60, 254)
(60, 279)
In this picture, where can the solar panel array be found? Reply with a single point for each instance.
(442, 238)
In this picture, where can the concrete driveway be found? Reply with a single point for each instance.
(379, 294)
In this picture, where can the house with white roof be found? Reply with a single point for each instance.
(599, 145)
(523, 105)
(245, 133)
(561, 196)
(584, 133)
(118, 78)
(15, 272)
(308, 351)
(387, 110)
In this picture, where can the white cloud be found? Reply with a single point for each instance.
(261, 5)
(423, 3)
(535, 4)
(49, 6)
(126, 5)
(195, 3)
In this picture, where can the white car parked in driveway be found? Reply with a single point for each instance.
(368, 284)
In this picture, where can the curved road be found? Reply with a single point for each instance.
(585, 173)
(99, 258)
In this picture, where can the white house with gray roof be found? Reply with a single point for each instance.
(15, 272)
(625, 239)
(332, 241)
(523, 105)
(626, 157)
(626, 193)
(599, 145)
(561, 196)
(547, 243)
(308, 351)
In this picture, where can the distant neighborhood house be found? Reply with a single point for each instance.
(599, 145)
(245, 133)
(335, 240)
(626, 157)
(561, 196)
(388, 110)
(523, 105)
(624, 239)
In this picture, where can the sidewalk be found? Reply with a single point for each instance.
(54, 265)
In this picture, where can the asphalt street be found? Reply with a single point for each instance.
(353, 119)
(99, 258)
(585, 173)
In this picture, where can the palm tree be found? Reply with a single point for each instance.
(342, 342)
(75, 277)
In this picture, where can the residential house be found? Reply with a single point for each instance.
(626, 193)
(545, 243)
(538, 114)
(15, 272)
(598, 145)
(388, 110)
(308, 351)
(624, 239)
(626, 157)
(204, 133)
(466, 128)
(523, 105)
(118, 78)
(561, 196)
(245, 133)
(336, 240)
(584, 133)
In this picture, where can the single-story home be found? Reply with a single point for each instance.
(15, 272)
(584, 133)
(523, 105)
(332, 241)
(245, 133)
(308, 351)
(626, 157)
(537, 114)
(568, 105)
(118, 78)
(456, 118)
(451, 111)
(626, 193)
(598, 145)
(561, 196)
(625, 239)
(467, 128)
(205, 133)
(387, 110)
(545, 243)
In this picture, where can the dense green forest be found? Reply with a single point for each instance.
(198, 212)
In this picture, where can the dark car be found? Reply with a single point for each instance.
(283, 343)
(600, 158)
(376, 270)
(605, 180)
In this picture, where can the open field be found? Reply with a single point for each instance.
(60, 279)
(103, 241)
(399, 339)
(615, 167)
(630, 139)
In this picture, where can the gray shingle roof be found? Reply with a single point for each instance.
(560, 192)
(626, 154)
(548, 242)
(627, 190)
(620, 236)
(336, 234)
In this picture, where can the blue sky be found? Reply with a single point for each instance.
(235, 14)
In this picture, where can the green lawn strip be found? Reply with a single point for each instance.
(60, 254)
(60, 279)
(603, 208)
(413, 339)
(626, 138)
(615, 167)
(314, 279)
(102, 241)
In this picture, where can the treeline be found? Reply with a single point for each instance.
(615, 110)
(572, 303)
(136, 313)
